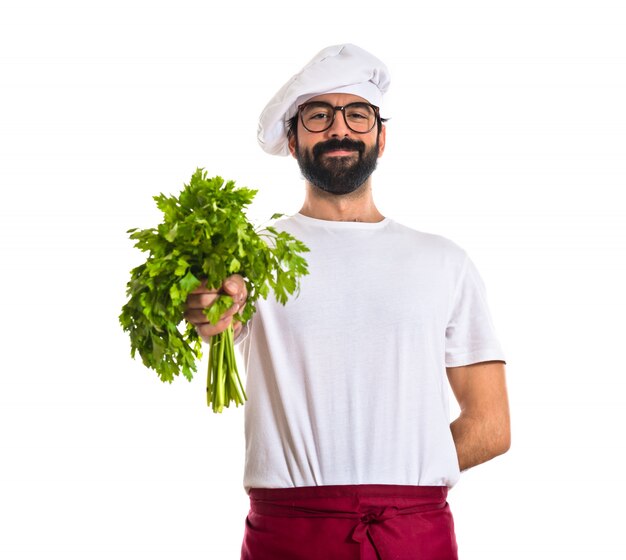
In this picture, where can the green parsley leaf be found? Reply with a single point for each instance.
(204, 234)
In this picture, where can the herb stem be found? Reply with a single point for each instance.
(223, 381)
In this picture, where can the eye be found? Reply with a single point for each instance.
(320, 115)
(356, 115)
(317, 114)
(359, 112)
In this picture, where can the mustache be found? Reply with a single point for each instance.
(336, 144)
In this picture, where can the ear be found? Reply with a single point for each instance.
(382, 137)
(292, 144)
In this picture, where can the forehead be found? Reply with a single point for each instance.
(338, 99)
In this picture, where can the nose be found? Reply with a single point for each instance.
(339, 128)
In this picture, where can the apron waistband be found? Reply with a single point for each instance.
(367, 504)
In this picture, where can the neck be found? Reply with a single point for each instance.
(358, 206)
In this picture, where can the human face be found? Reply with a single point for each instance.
(338, 160)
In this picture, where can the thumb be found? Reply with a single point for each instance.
(235, 286)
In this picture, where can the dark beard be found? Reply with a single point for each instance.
(338, 175)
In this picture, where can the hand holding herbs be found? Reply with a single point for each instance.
(205, 236)
(202, 298)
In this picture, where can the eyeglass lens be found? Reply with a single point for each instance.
(319, 116)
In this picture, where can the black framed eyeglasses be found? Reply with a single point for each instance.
(318, 116)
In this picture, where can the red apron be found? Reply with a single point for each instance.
(362, 522)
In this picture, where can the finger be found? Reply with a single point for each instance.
(202, 288)
(207, 330)
(241, 307)
(201, 300)
(196, 316)
(235, 286)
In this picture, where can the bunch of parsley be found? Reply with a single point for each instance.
(204, 235)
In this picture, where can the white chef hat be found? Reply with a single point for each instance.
(336, 69)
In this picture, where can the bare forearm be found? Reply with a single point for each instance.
(478, 440)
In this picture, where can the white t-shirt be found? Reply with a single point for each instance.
(347, 382)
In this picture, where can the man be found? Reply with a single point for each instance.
(349, 448)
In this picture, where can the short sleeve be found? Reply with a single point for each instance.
(470, 332)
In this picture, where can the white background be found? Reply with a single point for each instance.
(508, 135)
